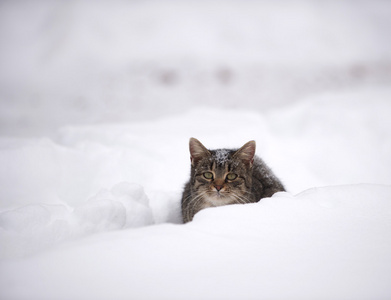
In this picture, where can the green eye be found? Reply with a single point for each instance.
(231, 176)
(208, 175)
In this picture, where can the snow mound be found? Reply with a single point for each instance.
(324, 243)
(28, 229)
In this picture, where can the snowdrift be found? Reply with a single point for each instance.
(325, 243)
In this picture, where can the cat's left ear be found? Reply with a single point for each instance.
(246, 153)
(197, 151)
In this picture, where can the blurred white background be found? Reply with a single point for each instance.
(87, 62)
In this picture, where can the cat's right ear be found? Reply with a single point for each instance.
(197, 151)
(246, 153)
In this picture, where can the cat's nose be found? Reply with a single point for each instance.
(218, 187)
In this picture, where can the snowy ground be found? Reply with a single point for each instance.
(327, 243)
(96, 113)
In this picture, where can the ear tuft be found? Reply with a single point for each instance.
(246, 153)
(197, 151)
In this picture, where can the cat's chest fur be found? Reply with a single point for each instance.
(213, 201)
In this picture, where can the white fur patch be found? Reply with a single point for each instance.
(213, 201)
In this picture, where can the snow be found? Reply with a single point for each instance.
(221, 156)
(97, 105)
(76, 210)
(325, 243)
(34, 227)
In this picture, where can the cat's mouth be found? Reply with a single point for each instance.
(219, 194)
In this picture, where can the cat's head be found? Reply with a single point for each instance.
(223, 176)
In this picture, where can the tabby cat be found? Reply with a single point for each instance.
(225, 176)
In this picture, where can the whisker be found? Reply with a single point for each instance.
(192, 204)
(247, 192)
(239, 199)
(197, 202)
(242, 199)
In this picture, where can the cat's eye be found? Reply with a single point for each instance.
(231, 176)
(208, 175)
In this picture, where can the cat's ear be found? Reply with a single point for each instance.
(197, 151)
(246, 153)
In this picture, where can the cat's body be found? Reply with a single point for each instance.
(224, 176)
